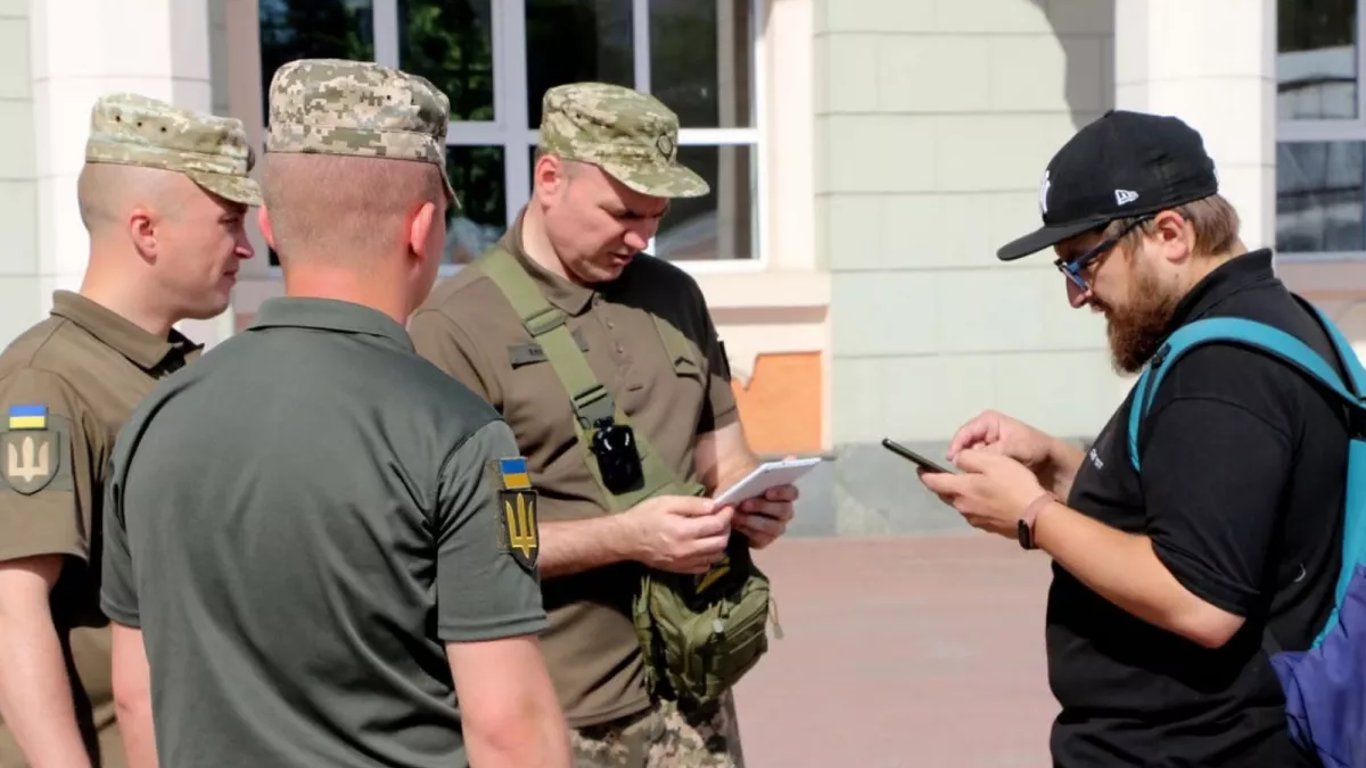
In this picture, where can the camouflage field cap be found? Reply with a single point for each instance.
(628, 134)
(131, 129)
(358, 108)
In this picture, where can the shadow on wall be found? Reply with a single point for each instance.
(1078, 74)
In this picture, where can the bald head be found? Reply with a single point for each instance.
(341, 208)
(107, 194)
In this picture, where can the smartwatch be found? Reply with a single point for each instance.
(1024, 528)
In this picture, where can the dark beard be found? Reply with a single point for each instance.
(1136, 331)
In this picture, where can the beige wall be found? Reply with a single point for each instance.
(19, 300)
(934, 122)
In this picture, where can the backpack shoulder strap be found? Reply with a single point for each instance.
(1230, 330)
(592, 402)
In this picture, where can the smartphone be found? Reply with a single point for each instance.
(907, 453)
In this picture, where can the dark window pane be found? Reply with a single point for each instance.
(1319, 197)
(1316, 65)
(302, 29)
(570, 41)
(719, 225)
(450, 42)
(477, 175)
(700, 60)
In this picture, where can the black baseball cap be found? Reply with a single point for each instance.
(1122, 164)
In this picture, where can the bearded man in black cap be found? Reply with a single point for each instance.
(1170, 580)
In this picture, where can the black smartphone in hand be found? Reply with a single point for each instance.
(907, 453)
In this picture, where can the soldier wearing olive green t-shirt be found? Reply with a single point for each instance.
(327, 546)
(163, 194)
(606, 170)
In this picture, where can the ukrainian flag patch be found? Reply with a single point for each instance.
(28, 417)
(514, 474)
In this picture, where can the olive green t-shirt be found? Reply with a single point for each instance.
(66, 386)
(468, 329)
(299, 523)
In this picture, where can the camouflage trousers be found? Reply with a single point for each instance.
(663, 737)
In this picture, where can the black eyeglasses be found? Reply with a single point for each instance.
(1073, 269)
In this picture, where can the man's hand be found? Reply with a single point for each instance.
(999, 433)
(992, 492)
(1052, 461)
(680, 534)
(765, 518)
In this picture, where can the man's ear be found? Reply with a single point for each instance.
(420, 231)
(550, 176)
(142, 230)
(1174, 235)
(267, 229)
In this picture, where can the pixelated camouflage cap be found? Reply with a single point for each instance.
(358, 108)
(131, 129)
(628, 134)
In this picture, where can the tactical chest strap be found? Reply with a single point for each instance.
(591, 400)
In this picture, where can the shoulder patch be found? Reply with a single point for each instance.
(28, 417)
(518, 518)
(31, 459)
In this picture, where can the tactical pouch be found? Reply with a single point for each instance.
(699, 634)
(699, 643)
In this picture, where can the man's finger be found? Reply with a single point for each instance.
(786, 493)
(943, 483)
(710, 548)
(714, 524)
(690, 506)
(979, 459)
(760, 523)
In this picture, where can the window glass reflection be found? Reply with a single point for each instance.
(1316, 63)
(477, 175)
(450, 42)
(570, 41)
(700, 60)
(303, 29)
(1319, 197)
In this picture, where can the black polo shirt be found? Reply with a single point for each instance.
(1241, 493)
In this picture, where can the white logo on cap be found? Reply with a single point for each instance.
(1043, 193)
(1125, 196)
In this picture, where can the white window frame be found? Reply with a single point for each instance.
(1310, 130)
(508, 128)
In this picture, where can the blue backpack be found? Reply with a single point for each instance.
(1325, 686)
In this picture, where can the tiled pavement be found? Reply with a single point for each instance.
(916, 651)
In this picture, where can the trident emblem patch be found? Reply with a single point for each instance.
(31, 459)
(520, 528)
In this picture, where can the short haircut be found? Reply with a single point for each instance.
(105, 192)
(1213, 218)
(338, 207)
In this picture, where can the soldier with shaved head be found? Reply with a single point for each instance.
(327, 546)
(163, 195)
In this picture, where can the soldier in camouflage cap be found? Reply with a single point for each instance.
(382, 477)
(605, 172)
(629, 134)
(358, 108)
(163, 195)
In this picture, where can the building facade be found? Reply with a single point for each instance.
(866, 159)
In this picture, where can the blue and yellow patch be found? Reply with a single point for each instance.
(28, 417)
(514, 474)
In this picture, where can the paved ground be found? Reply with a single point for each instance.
(924, 651)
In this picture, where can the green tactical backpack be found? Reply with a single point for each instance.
(699, 634)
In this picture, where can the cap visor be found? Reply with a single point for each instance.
(675, 181)
(1044, 237)
(238, 189)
